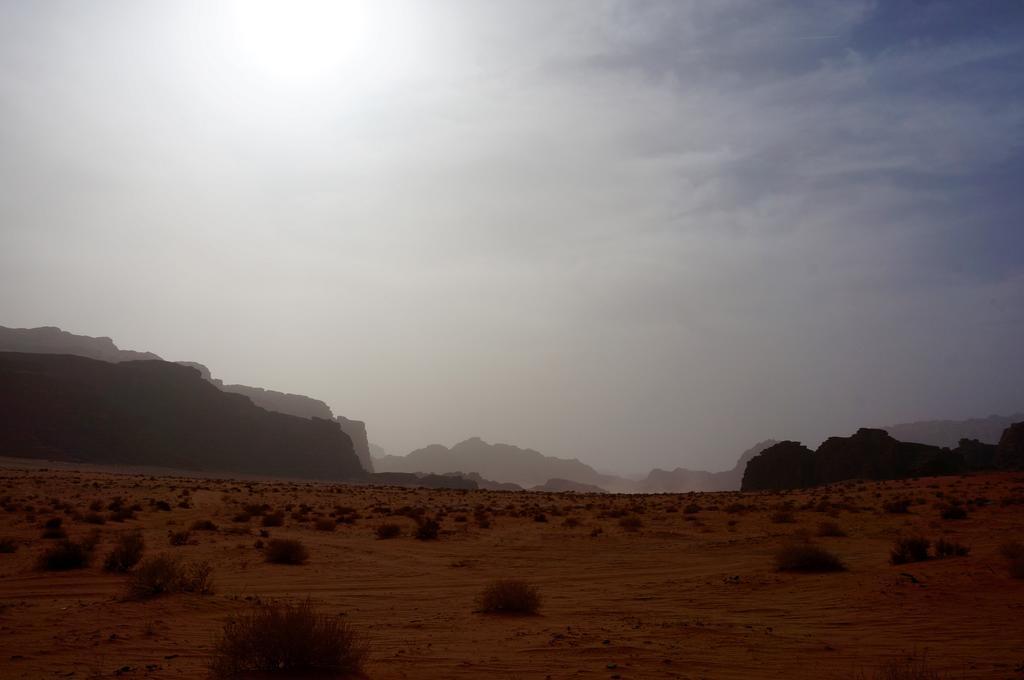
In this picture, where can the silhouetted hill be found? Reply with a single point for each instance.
(868, 454)
(502, 462)
(948, 433)
(51, 340)
(156, 413)
(1010, 453)
(682, 480)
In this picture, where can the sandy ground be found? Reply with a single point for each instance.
(688, 595)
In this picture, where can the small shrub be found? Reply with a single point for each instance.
(954, 512)
(509, 596)
(830, 529)
(178, 537)
(911, 549)
(1012, 550)
(571, 522)
(385, 531)
(275, 519)
(52, 529)
(126, 554)
(203, 525)
(631, 523)
(782, 517)
(94, 518)
(64, 556)
(807, 557)
(167, 574)
(324, 524)
(427, 530)
(897, 507)
(8, 546)
(540, 517)
(1017, 568)
(944, 548)
(285, 551)
(289, 640)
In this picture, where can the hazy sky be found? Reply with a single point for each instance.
(637, 233)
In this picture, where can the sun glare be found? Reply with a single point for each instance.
(304, 40)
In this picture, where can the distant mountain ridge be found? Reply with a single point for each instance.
(53, 340)
(948, 433)
(683, 479)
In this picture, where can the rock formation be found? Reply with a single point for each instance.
(1010, 452)
(948, 433)
(786, 465)
(682, 480)
(156, 413)
(52, 340)
(356, 429)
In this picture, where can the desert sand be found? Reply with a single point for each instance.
(688, 588)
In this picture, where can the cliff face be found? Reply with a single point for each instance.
(52, 340)
(155, 413)
(356, 430)
(786, 465)
(1010, 452)
(868, 454)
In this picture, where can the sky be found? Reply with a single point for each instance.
(641, 234)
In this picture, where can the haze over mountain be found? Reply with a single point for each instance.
(637, 234)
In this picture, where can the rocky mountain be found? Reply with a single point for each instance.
(682, 480)
(1010, 452)
(503, 462)
(156, 413)
(869, 454)
(948, 433)
(52, 340)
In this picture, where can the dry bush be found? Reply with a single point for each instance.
(427, 530)
(897, 507)
(830, 529)
(126, 554)
(944, 548)
(954, 512)
(285, 551)
(631, 523)
(275, 519)
(64, 556)
(509, 596)
(324, 524)
(807, 557)
(909, 549)
(203, 525)
(8, 545)
(177, 538)
(94, 518)
(166, 574)
(287, 640)
(1012, 550)
(385, 531)
(1017, 568)
(782, 517)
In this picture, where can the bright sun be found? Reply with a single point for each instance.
(304, 40)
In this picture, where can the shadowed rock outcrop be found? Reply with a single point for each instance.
(156, 413)
(786, 465)
(1010, 452)
(356, 429)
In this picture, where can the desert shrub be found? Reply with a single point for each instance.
(52, 528)
(241, 517)
(807, 557)
(1012, 550)
(167, 574)
(631, 523)
(203, 525)
(324, 524)
(1017, 568)
(121, 514)
(911, 668)
(8, 545)
(909, 549)
(64, 556)
(830, 529)
(285, 551)
(540, 517)
(288, 640)
(691, 509)
(274, 519)
(509, 596)
(162, 506)
(782, 517)
(571, 522)
(427, 530)
(94, 518)
(944, 548)
(178, 537)
(954, 512)
(900, 506)
(385, 531)
(126, 554)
